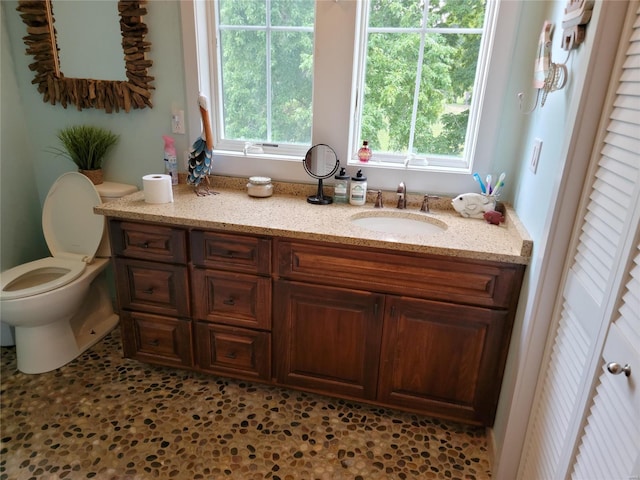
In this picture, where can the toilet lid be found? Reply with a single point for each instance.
(70, 227)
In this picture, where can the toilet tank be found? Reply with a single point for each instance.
(108, 192)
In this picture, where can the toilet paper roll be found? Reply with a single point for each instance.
(157, 188)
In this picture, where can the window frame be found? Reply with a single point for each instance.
(217, 111)
(337, 24)
(442, 163)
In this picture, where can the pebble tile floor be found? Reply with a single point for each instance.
(106, 417)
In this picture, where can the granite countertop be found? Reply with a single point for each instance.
(288, 214)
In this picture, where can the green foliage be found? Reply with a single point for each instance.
(443, 91)
(447, 76)
(450, 141)
(245, 73)
(85, 145)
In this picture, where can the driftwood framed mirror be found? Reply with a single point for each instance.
(109, 95)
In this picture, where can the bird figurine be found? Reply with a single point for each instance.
(473, 205)
(201, 154)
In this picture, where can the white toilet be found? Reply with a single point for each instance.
(60, 305)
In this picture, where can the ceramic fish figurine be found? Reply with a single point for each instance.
(473, 205)
(494, 217)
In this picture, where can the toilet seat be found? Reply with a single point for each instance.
(72, 232)
(58, 271)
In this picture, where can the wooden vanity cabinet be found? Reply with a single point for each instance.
(231, 292)
(418, 332)
(436, 345)
(152, 286)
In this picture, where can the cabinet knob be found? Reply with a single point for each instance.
(617, 369)
(148, 291)
(145, 245)
(229, 301)
(231, 355)
(154, 343)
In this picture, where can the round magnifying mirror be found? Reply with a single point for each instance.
(320, 162)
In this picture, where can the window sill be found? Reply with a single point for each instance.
(257, 156)
(414, 165)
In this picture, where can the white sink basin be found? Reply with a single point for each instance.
(401, 223)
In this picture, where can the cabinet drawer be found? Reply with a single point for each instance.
(231, 252)
(232, 298)
(152, 287)
(456, 280)
(148, 242)
(156, 339)
(236, 352)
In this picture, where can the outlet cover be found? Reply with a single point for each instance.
(177, 122)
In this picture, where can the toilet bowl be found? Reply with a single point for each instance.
(60, 305)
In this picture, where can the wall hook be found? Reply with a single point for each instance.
(548, 76)
(521, 101)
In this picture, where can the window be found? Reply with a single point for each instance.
(340, 32)
(264, 60)
(421, 74)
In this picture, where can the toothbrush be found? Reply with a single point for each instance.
(499, 184)
(488, 180)
(477, 179)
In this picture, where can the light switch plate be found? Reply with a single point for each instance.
(535, 156)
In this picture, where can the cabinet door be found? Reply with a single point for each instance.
(327, 339)
(443, 359)
(156, 339)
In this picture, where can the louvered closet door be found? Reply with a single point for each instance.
(591, 295)
(610, 445)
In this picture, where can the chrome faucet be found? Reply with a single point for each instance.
(402, 196)
(379, 203)
(425, 202)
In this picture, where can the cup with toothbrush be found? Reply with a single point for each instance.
(490, 186)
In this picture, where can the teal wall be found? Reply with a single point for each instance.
(29, 128)
(21, 237)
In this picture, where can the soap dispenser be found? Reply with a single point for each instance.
(341, 187)
(358, 191)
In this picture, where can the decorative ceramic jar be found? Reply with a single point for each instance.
(259, 187)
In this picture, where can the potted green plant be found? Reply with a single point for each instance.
(86, 146)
